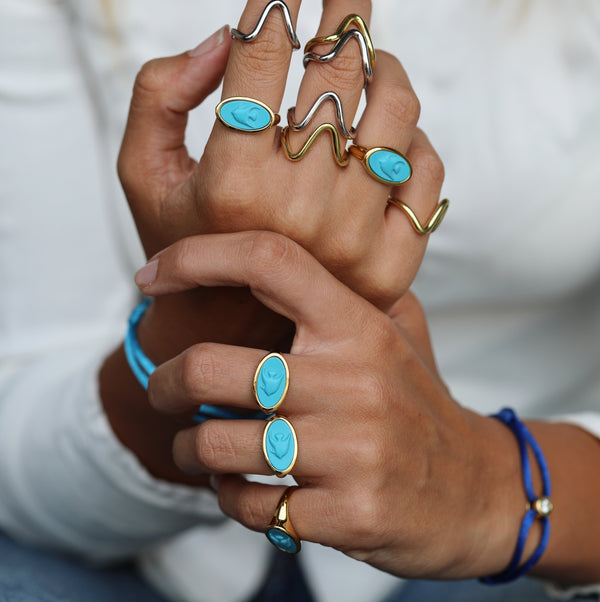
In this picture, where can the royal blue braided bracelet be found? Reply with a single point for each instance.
(538, 507)
(142, 367)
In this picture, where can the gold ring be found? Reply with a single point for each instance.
(280, 445)
(382, 163)
(435, 219)
(280, 531)
(245, 114)
(271, 382)
(341, 30)
(340, 156)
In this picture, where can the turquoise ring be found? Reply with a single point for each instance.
(246, 114)
(271, 382)
(280, 531)
(385, 164)
(280, 445)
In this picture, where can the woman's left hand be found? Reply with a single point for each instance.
(390, 469)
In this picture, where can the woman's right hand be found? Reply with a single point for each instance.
(245, 181)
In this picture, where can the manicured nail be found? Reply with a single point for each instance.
(145, 276)
(215, 481)
(210, 43)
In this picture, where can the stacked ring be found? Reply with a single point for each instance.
(435, 219)
(340, 38)
(280, 531)
(299, 126)
(339, 152)
(289, 25)
(245, 114)
(382, 163)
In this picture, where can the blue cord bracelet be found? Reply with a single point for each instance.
(142, 367)
(538, 507)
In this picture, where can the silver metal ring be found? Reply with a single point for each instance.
(297, 127)
(364, 50)
(289, 25)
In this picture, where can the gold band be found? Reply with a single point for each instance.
(432, 223)
(340, 156)
(280, 531)
(341, 30)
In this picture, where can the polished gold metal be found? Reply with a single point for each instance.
(337, 101)
(281, 522)
(341, 30)
(340, 38)
(432, 223)
(340, 155)
(289, 25)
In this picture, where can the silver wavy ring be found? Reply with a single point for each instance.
(297, 127)
(364, 50)
(289, 25)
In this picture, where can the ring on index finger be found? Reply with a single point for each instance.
(289, 25)
(245, 114)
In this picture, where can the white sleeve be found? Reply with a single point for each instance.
(65, 291)
(66, 481)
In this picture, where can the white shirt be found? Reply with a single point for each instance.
(511, 284)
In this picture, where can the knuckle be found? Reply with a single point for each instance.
(200, 371)
(149, 80)
(401, 105)
(368, 517)
(430, 166)
(251, 511)
(213, 447)
(343, 73)
(269, 253)
(374, 393)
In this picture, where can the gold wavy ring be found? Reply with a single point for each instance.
(341, 30)
(435, 219)
(339, 153)
(280, 531)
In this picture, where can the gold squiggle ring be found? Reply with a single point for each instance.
(289, 25)
(339, 153)
(340, 38)
(435, 219)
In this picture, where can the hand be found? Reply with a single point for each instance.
(391, 470)
(245, 181)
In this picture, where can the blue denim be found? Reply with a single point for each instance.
(28, 575)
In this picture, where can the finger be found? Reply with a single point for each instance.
(209, 373)
(236, 446)
(153, 157)
(313, 512)
(343, 75)
(258, 69)
(280, 274)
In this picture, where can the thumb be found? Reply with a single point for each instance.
(153, 158)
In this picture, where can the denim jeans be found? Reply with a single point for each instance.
(28, 575)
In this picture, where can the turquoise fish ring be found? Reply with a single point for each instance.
(246, 114)
(271, 382)
(384, 164)
(280, 531)
(280, 445)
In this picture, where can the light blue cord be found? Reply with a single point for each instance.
(142, 367)
(525, 438)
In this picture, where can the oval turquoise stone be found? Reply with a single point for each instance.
(389, 166)
(280, 539)
(271, 383)
(280, 445)
(244, 115)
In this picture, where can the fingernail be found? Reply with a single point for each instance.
(215, 481)
(210, 43)
(145, 276)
